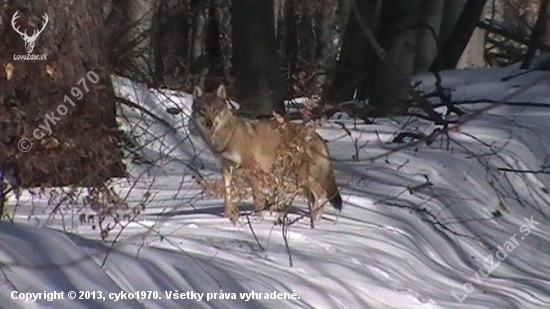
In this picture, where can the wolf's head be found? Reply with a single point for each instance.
(210, 110)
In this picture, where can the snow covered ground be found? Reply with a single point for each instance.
(432, 226)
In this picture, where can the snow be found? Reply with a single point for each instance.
(398, 243)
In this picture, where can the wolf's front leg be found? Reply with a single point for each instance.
(229, 210)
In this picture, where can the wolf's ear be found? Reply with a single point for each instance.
(220, 92)
(197, 92)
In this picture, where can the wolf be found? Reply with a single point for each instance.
(238, 141)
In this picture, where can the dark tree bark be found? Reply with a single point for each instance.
(289, 37)
(540, 31)
(324, 30)
(82, 147)
(192, 43)
(199, 13)
(404, 39)
(546, 31)
(356, 54)
(213, 54)
(257, 84)
(306, 37)
(402, 34)
(454, 46)
(132, 25)
(325, 37)
(171, 43)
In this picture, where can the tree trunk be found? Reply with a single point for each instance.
(133, 42)
(306, 38)
(539, 32)
(172, 43)
(289, 41)
(356, 54)
(401, 35)
(325, 37)
(474, 53)
(257, 85)
(198, 67)
(278, 6)
(453, 47)
(546, 27)
(74, 142)
(410, 33)
(214, 60)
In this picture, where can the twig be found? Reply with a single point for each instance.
(254, 233)
(466, 118)
(284, 228)
(491, 27)
(422, 186)
(523, 171)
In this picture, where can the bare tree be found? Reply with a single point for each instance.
(452, 49)
(215, 67)
(132, 24)
(546, 26)
(541, 31)
(474, 53)
(325, 47)
(410, 33)
(356, 55)
(257, 84)
(172, 43)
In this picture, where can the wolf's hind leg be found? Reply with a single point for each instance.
(311, 207)
(315, 193)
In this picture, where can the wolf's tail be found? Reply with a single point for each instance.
(333, 195)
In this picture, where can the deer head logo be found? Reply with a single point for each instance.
(29, 40)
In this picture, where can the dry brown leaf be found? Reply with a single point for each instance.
(8, 68)
(49, 70)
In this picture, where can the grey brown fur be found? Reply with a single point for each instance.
(238, 141)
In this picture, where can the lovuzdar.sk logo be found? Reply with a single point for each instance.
(29, 39)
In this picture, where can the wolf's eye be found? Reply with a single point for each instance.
(200, 111)
(208, 124)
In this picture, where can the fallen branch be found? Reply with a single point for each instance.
(523, 171)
